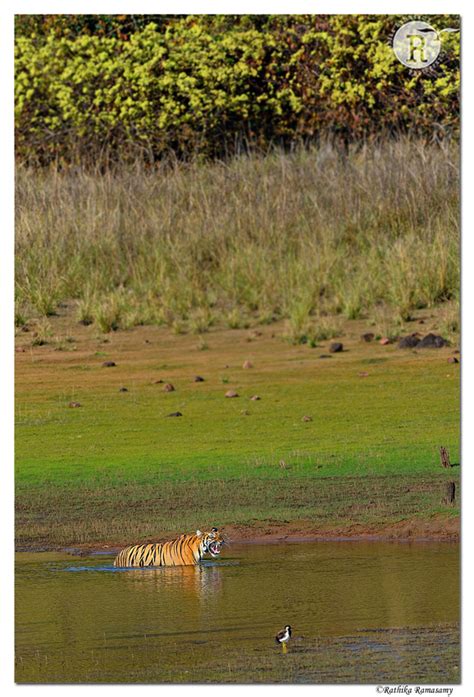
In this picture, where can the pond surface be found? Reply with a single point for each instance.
(361, 612)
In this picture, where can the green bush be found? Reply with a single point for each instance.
(212, 85)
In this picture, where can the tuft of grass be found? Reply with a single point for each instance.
(42, 333)
(21, 315)
(306, 329)
(85, 308)
(450, 321)
(202, 345)
(387, 321)
(235, 320)
(201, 320)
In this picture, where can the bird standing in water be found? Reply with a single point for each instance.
(283, 636)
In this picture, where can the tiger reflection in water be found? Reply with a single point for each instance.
(199, 582)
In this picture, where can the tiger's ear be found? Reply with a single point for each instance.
(198, 533)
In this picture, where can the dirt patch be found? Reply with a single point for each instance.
(435, 528)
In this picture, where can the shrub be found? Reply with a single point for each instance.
(213, 85)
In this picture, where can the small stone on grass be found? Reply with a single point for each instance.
(335, 347)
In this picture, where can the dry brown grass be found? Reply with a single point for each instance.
(288, 235)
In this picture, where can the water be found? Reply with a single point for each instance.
(359, 611)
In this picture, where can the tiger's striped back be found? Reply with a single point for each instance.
(185, 550)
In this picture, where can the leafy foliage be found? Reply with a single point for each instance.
(213, 85)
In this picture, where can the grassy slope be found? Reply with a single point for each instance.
(252, 239)
(117, 468)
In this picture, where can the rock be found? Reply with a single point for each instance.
(198, 378)
(409, 341)
(231, 393)
(123, 389)
(325, 355)
(306, 419)
(108, 364)
(384, 341)
(453, 359)
(168, 387)
(335, 347)
(255, 398)
(175, 413)
(247, 364)
(74, 405)
(432, 341)
(368, 336)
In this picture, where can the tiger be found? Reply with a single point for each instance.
(185, 550)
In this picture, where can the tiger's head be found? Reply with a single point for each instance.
(211, 542)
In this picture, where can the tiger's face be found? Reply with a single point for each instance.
(211, 542)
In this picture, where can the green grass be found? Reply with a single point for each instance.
(119, 468)
(119, 511)
(131, 434)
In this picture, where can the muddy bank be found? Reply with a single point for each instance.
(436, 528)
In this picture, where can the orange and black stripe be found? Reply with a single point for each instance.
(184, 551)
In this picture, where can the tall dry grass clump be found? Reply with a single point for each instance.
(299, 235)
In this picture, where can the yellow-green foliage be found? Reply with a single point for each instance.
(204, 84)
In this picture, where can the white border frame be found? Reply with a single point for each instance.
(7, 11)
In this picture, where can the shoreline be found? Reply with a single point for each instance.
(434, 529)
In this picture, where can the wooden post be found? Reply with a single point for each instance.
(444, 455)
(450, 493)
